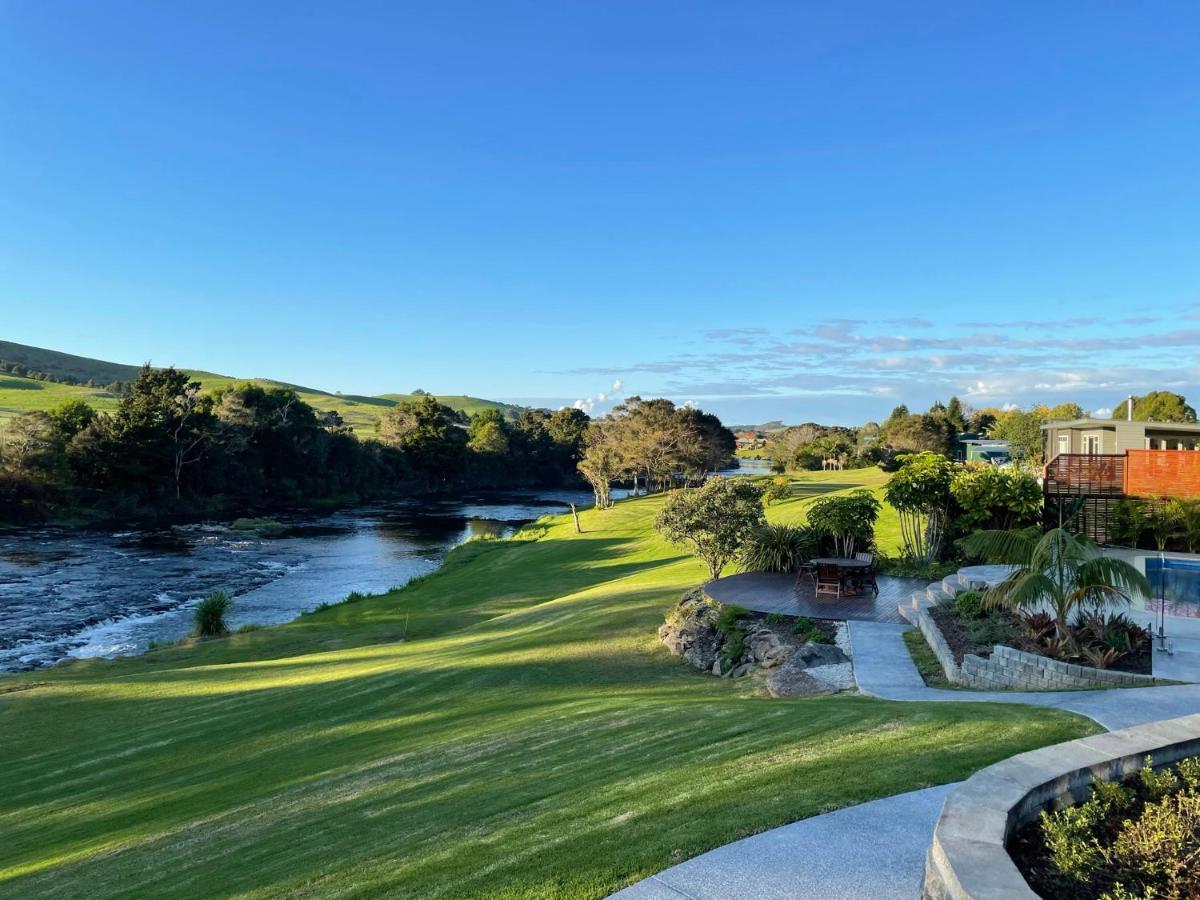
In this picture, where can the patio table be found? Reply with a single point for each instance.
(847, 570)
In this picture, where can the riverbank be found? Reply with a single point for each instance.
(509, 726)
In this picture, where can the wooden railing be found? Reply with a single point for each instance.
(1085, 475)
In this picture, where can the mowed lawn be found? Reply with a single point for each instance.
(528, 737)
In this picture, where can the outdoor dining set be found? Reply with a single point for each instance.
(850, 577)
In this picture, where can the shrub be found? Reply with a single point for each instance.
(804, 629)
(989, 497)
(778, 488)
(848, 519)
(778, 548)
(969, 604)
(775, 618)
(729, 624)
(210, 614)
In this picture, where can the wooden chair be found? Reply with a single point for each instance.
(829, 579)
(867, 576)
(806, 570)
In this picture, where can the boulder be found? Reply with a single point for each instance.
(743, 669)
(812, 655)
(691, 631)
(791, 680)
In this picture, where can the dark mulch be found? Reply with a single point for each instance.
(781, 624)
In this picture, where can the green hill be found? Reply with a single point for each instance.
(19, 394)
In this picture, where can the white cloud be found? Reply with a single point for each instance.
(1104, 412)
(618, 384)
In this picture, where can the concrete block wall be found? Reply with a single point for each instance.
(1011, 669)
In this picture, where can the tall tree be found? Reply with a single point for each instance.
(1157, 406)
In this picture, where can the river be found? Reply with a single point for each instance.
(75, 593)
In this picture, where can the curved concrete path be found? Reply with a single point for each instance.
(877, 849)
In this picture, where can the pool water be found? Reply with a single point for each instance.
(1175, 584)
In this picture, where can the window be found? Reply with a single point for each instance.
(1064, 443)
(1091, 443)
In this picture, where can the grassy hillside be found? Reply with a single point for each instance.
(19, 394)
(66, 364)
(510, 727)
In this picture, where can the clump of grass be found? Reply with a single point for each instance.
(210, 614)
(250, 626)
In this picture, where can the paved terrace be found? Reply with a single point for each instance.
(772, 593)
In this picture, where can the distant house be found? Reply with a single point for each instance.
(1095, 463)
(747, 440)
(973, 449)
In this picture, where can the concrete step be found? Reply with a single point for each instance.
(955, 584)
(908, 613)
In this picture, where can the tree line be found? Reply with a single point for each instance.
(171, 449)
(652, 445)
(810, 445)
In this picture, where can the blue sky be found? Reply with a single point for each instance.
(778, 210)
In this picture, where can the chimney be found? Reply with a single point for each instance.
(1129, 409)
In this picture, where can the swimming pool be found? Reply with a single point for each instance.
(1175, 582)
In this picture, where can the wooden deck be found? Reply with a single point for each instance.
(763, 592)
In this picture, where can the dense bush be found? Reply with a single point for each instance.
(779, 548)
(210, 615)
(1140, 839)
(989, 497)
(969, 604)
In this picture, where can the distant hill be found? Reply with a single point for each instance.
(19, 394)
(66, 365)
(460, 402)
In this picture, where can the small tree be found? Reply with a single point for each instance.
(848, 519)
(714, 520)
(1059, 569)
(1164, 522)
(920, 492)
(1187, 517)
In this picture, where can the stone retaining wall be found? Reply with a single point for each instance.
(1011, 669)
(937, 642)
(968, 859)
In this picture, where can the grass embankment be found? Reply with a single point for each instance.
(530, 738)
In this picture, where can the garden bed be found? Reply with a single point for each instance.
(1137, 838)
(970, 629)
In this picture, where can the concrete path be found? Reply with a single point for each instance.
(877, 849)
(884, 668)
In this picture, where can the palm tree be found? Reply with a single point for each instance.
(1187, 518)
(1062, 570)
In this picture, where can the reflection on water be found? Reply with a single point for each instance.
(74, 593)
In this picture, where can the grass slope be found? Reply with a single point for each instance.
(18, 394)
(66, 364)
(529, 738)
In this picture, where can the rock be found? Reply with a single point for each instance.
(691, 630)
(716, 669)
(791, 680)
(819, 655)
(743, 669)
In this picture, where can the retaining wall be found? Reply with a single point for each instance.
(1011, 669)
(968, 859)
